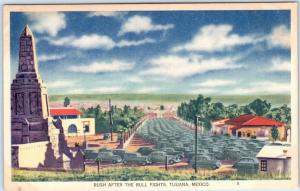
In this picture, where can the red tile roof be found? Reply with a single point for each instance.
(261, 121)
(64, 111)
(219, 120)
(239, 120)
(251, 120)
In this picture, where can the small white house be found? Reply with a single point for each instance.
(219, 127)
(275, 159)
(72, 123)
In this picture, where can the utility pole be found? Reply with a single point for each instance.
(196, 142)
(110, 120)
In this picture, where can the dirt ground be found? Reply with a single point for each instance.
(94, 141)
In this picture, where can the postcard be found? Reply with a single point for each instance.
(150, 96)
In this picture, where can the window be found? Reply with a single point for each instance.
(86, 128)
(72, 129)
(263, 165)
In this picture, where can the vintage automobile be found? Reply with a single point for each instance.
(145, 150)
(104, 150)
(135, 158)
(160, 157)
(205, 162)
(90, 155)
(171, 151)
(191, 154)
(119, 152)
(246, 165)
(109, 157)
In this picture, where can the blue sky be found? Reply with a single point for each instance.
(186, 52)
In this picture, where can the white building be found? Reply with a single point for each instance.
(72, 123)
(275, 159)
(219, 127)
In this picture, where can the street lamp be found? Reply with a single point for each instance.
(196, 141)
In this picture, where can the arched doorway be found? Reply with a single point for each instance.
(239, 134)
(72, 128)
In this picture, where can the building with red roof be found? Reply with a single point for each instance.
(254, 126)
(219, 127)
(72, 123)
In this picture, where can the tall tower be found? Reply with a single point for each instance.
(29, 98)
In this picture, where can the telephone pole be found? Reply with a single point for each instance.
(110, 120)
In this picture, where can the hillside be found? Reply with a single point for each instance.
(276, 100)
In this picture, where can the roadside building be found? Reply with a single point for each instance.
(219, 127)
(255, 126)
(275, 159)
(72, 123)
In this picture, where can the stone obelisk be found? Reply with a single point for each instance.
(29, 98)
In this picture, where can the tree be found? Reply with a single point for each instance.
(282, 114)
(126, 109)
(232, 111)
(275, 133)
(66, 101)
(259, 107)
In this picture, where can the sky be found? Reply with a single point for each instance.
(160, 52)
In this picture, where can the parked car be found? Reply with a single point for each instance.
(119, 152)
(205, 162)
(135, 158)
(90, 155)
(160, 157)
(109, 157)
(104, 150)
(246, 165)
(171, 151)
(145, 150)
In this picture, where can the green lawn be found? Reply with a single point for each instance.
(276, 100)
(130, 174)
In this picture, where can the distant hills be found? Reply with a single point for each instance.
(276, 100)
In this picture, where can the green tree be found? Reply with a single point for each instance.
(275, 133)
(67, 101)
(259, 107)
(232, 111)
(282, 114)
(126, 109)
(162, 107)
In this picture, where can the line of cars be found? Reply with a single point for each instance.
(170, 137)
(121, 156)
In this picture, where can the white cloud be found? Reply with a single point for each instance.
(216, 83)
(126, 43)
(99, 67)
(148, 90)
(280, 65)
(205, 91)
(280, 37)
(180, 67)
(264, 87)
(142, 24)
(212, 38)
(135, 79)
(50, 22)
(95, 41)
(111, 89)
(50, 57)
(76, 91)
(107, 14)
(61, 83)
